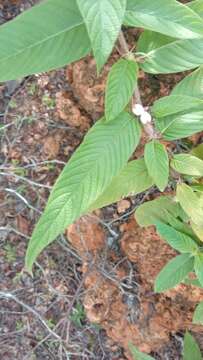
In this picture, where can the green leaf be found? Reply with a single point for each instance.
(150, 40)
(196, 6)
(198, 187)
(138, 355)
(157, 162)
(191, 85)
(150, 212)
(191, 349)
(169, 17)
(121, 83)
(197, 230)
(179, 241)
(198, 151)
(29, 44)
(174, 272)
(132, 180)
(174, 57)
(184, 124)
(187, 164)
(173, 104)
(104, 152)
(198, 266)
(198, 314)
(190, 203)
(103, 20)
(180, 226)
(193, 282)
(164, 54)
(180, 125)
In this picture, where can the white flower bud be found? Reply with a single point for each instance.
(145, 117)
(138, 109)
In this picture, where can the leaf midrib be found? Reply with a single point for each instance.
(119, 83)
(176, 118)
(164, 17)
(174, 271)
(88, 172)
(38, 43)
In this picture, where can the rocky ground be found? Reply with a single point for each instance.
(92, 290)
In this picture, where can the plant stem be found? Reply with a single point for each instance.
(148, 128)
(123, 44)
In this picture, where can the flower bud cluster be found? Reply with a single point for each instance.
(145, 116)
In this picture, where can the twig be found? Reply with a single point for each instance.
(10, 296)
(50, 287)
(2, 128)
(76, 295)
(107, 225)
(63, 243)
(148, 128)
(10, 229)
(11, 333)
(23, 199)
(31, 182)
(137, 97)
(33, 165)
(130, 212)
(20, 86)
(123, 44)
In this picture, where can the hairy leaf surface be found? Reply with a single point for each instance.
(176, 56)
(138, 355)
(150, 40)
(157, 162)
(103, 20)
(198, 231)
(180, 125)
(194, 282)
(187, 164)
(156, 210)
(29, 44)
(164, 54)
(185, 123)
(191, 349)
(198, 266)
(191, 203)
(198, 151)
(179, 241)
(121, 83)
(173, 104)
(174, 272)
(191, 85)
(132, 180)
(180, 226)
(196, 6)
(168, 17)
(198, 314)
(103, 153)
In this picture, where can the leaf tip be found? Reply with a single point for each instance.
(162, 187)
(28, 269)
(99, 66)
(157, 288)
(29, 261)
